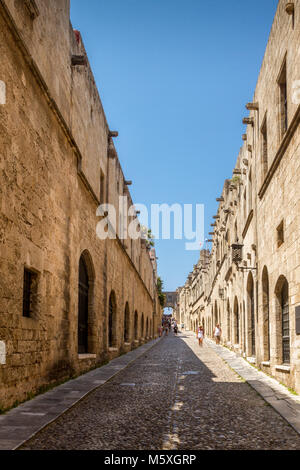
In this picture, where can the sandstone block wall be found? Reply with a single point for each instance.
(54, 145)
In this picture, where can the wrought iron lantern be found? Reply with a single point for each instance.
(237, 253)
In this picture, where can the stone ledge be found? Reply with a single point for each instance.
(113, 349)
(283, 368)
(81, 357)
(266, 364)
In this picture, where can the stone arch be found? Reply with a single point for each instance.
(251, 316)
(86, 281)
(112, 320)
(266, 314)
(126, 323)
(282, 320)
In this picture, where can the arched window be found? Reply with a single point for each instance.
(265, 309)
(251, 316)
(85, 302)
(228, 322)
(283, 319)
(136, 325)
(126, 324)
(112, 323)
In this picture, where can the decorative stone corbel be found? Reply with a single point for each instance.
(249, 121)
(252, 106)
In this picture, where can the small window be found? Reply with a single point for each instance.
(29, 293)
(280, 234)
(102, 188)
(283, 104)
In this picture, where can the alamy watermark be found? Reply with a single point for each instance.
(175, 221)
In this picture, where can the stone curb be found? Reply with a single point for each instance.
(21, 424)
(275, 394)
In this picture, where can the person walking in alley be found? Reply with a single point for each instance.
(217, 333)
(200, 336)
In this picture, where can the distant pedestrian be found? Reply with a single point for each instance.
(217, 333)
(200, 336)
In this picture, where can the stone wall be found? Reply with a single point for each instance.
(54, 143)
(263, 195)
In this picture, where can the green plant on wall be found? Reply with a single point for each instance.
(236, 180)
(147, 235)
(161, 296)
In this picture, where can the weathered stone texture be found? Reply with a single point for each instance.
(263, 193)
(53, 144)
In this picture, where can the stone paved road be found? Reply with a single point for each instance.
(177, 396)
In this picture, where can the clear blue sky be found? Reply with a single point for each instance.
(174, 77)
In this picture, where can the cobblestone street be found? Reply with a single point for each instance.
(175, 397)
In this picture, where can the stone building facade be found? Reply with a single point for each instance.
(251, 283)
(68, 300)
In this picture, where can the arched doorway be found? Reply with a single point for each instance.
(126, 324)
(265, 309)
(216, 320)
(251, 315)
(228, 322)
(142, 326)
(236, 322)
(244, 328)
(136, 324)
(112, 312)
(83, 307)
(283, 319)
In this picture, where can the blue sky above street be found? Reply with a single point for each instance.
(174, 77)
